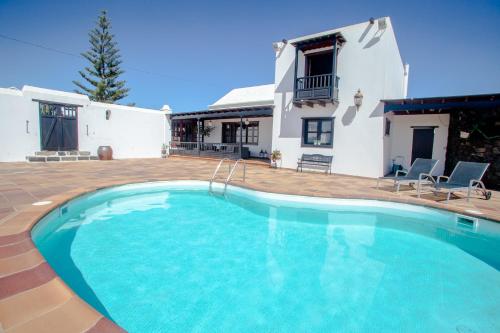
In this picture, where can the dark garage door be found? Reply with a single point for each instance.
(58, 125)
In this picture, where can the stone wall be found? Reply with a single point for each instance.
(482, 145)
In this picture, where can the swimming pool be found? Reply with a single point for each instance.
(170, 256)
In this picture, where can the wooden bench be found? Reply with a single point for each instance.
(316, 160)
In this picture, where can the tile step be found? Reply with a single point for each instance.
(57, 158)
(62, 153)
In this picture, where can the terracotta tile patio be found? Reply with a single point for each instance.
(34, 299)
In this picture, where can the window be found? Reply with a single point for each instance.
(184, 130)
(317, 132)
(387, 127)
(57, 110)
(231, 133)
(228, 133)
(319, 63)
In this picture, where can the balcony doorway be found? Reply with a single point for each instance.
(319, 63)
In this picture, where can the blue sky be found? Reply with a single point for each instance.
(189, 53)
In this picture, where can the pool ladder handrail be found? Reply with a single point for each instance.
(231, 171)
(217, 170)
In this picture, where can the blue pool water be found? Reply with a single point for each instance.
(171, 257)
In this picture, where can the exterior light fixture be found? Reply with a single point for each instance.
(278, 46)
(108, 114)
(210, 123)
(358, 99)
(247, 121)
(464, 135)
(382, 24)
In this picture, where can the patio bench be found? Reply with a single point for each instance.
(316, 160)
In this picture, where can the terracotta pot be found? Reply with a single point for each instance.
(105, 153)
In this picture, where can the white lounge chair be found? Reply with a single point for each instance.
(419, 172)
(465, 176)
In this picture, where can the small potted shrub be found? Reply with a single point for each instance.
(164, 148)
(275, 157)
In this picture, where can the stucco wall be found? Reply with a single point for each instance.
(265, 134)
(370, 61)
(402, 137)
(132, 132)
(17, 137)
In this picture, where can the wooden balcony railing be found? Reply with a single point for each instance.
(316, 87)
(229, 150)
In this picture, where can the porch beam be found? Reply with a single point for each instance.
(241, 136)
(264, 112)
(442, 106)
(198, 131)
(295, 72)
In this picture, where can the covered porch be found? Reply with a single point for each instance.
(223, 133)
(448, 128)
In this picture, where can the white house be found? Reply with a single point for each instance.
(329, 97)
(35, 119)
(316, 78)
(339, 93)
(312, 102)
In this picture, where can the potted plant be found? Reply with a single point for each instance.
(275, 157)
(206, 131)
(164, 148)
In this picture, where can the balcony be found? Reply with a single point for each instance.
(315, 77)
(319, 88)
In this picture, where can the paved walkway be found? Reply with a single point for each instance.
(34, 299)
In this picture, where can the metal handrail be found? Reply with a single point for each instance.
(235, 165)
(217, 170)
(231, 172)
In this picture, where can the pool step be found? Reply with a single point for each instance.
(61, 156)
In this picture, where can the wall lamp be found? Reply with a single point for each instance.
(358, 99)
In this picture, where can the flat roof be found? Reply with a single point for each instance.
(441, 104)
(246, 112)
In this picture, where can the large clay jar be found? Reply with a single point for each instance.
(105, 153)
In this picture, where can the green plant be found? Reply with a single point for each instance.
(276, 155)
(206, 131)
(104, 69)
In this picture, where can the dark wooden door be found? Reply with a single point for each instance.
(423, 142)
(58, 126)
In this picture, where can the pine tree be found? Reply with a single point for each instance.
(104, 69)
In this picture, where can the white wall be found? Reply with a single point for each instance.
(131, 132)
(265, 134)
(370, 61)
(17, 139)
(402, 137)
